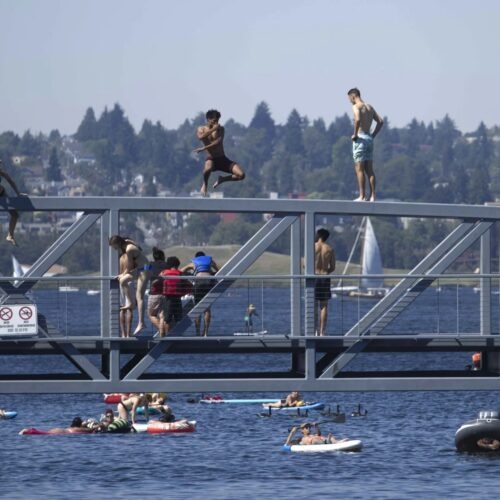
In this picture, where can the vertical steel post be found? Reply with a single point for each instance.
(309, 270)
(310, 356)
(110, 292)
(295, 269)
(105, 271)
(485, 268)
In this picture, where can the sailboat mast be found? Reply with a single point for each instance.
(360, 230)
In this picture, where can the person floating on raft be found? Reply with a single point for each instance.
(113, 424)
(292, 400)
(308, 438)
(76, 427)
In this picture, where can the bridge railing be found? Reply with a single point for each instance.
(448, 305)
(297, 219)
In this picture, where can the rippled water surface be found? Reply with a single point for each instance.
(408, 451)
(408, 441)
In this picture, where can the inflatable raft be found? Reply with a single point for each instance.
(485, 427)
(114, 398)
(296, 409)
(152, 427)
(350, 445)
(33, 431)
(8, 414)
(217, 400)
(153, 410)
(166, 427)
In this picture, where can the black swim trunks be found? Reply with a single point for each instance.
(322, 289)
(201, 288)
(172, 309)
(223, 164)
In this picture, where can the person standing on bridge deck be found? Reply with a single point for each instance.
(155, 297)
(324, 263)
(202, 265)
(173, 290)
(137, 269)
(126, 313)
(362, 143)
(13, 213)
(212, 137)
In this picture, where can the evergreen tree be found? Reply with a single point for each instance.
(262, 120)
(344, 179)
(445, 136)
(341, 127)
(317, 145)
(292, 134)
(88, 129)
(480, 159)
(29, 145)
(55, 137)
(53, 173)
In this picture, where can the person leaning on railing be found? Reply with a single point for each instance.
(202, 265)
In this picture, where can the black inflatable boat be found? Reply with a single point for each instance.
(481, 434)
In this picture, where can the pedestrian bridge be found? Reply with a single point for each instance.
(72, 351)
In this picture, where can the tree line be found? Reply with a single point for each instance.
(420, 162)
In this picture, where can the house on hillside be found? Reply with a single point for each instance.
(77, 152)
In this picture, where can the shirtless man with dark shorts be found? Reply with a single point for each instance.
(212, 137)
(324, 264)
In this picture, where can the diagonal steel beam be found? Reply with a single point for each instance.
(79, 360)
(423, 284)
(58, 249)
(449, 243)
(238, 264)
(147, 360)
(407, 290)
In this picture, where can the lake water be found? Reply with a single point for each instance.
(408, 437)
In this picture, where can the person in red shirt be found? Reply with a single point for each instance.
(173, 290)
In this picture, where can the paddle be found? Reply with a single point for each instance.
(312, 424)
(336, 416)
(359, 413)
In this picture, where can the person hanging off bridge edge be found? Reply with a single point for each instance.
(212, 137)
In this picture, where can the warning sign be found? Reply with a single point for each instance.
(18, 320)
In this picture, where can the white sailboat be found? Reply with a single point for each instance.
(371, 264)
(19, 270)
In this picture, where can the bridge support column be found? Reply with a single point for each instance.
(309, 325)
(492, 362)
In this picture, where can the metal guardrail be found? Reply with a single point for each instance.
(71, 305)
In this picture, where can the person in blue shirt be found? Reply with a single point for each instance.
(202, 265)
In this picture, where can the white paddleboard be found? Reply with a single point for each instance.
(250, 334)
(351, 445)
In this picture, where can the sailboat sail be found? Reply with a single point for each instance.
(371, 260)
(17, 270)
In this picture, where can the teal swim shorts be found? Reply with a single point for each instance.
(362, 148)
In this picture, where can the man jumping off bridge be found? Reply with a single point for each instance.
(212, 136)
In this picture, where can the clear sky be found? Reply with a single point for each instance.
(167, 60)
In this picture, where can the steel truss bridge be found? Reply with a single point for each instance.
(104, 362)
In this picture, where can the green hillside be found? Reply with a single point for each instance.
(266, 264)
